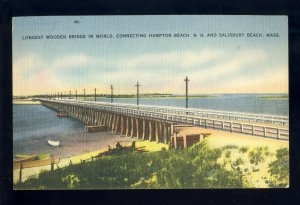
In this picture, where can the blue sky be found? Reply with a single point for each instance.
(214, 65)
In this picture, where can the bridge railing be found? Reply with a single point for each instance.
(225, 115)
(256, 129)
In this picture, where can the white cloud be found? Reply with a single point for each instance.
(25, 64)
(70, 61)
(270, 81)
(176, 59)
(230, 66)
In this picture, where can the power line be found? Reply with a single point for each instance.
(137, 92)
(186, 91)
(111, 94)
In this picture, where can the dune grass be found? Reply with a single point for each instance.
(200, 166)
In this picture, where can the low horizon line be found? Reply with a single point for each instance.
(79, 94)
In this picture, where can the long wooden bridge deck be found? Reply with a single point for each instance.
(156, 121)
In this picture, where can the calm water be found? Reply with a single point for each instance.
(37, 121)
(31, 121)
(230, 102)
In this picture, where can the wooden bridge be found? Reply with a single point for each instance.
(156, 123)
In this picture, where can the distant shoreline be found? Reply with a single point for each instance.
(281, 97)
(25, 102)
(170, 96)
(30, 102)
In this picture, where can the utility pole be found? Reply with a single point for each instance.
(76, 94)
(60, 95)
(83, 94)
(95, 94)
(70, 94)
(186, 91)
(111, 94)
(137, 92)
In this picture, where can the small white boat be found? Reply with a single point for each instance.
(54, 143)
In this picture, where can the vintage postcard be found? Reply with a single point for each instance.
(150, 102)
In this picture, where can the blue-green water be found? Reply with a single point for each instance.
(31, 121)
(230, 102)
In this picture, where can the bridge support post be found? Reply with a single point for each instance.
(116, 123)
(150, 130)
(127, 126)
(156, 132)
(165, 133)
(92, 114)
(184, 142)
(100, 115)
(132, 127)
(160, 132)
(144, 129)
(106, 119)
(96, 117)
(137, 128)
(88, 116)
(175, 140)
(122, 125)
(113, 123)
(110, 122)
(102, 118)
(169, 133)
(83, 115)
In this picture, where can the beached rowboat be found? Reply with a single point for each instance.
(25, 158)
(53, 143)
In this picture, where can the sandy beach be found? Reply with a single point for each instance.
(77, 147)
(25, 102)
(78, 143)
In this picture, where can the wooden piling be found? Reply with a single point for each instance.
(158, 132)
(132, 127)
(20, 173)
(144, 129)
(150, 130)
